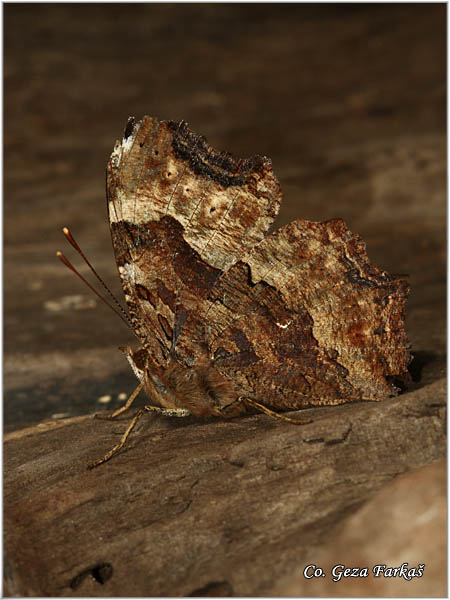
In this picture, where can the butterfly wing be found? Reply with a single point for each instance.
(181, 214)
(295, 318)
(313, 321)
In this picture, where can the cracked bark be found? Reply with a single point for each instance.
(206, 520)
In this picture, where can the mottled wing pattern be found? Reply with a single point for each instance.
(296, 318)
(181, 215)
(311, 321)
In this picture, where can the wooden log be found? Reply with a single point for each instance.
(199, 507)
(403, 524)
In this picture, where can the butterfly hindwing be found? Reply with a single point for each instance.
(312, 319)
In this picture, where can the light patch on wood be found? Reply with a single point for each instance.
(104, 399)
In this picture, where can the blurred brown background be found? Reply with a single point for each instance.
(347, 100)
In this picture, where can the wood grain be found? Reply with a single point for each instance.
(239, 506)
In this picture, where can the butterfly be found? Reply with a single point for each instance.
(231, 317)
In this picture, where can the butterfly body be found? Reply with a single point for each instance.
(202, 390)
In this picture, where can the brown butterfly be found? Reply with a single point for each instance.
(228, 316)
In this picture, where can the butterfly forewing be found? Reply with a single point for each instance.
(181, 215)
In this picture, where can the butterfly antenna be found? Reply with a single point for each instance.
(121, 313)
(70, 266)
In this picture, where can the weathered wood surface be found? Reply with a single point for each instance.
(194, 507)
(401, 525)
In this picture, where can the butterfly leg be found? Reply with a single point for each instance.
(123, 408)
(168, 412)
(274, 414)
